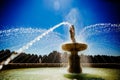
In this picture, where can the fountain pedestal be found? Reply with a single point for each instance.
(74, 63)
(73, 48)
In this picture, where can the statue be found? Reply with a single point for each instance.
(72, 34)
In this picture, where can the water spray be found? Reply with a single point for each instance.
(98, 28)
(19, 51)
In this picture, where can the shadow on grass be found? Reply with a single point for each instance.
(83, 76)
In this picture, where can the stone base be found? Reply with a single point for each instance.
(74, 64)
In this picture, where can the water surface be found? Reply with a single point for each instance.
(59, 74)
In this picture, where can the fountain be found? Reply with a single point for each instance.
(73, 48)
(88, 73)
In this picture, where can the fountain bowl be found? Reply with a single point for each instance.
(74, 47)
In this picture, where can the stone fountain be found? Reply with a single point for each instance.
(73, 48)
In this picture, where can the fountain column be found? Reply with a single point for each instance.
(73, 48)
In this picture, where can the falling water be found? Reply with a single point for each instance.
(89, 32)
(25, 47)
(97, 29)
(101, 27)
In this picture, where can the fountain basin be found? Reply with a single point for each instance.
(74, 47)
(59, 73)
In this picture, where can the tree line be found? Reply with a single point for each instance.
(56, 57)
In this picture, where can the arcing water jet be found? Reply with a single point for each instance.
(31, 43)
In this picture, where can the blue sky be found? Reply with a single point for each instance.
(22, 21)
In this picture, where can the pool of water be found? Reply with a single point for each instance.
(59, 74)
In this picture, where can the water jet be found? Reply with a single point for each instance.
(74, 47)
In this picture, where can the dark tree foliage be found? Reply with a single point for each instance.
(4, 54)
(45, 59)
(56, 57)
